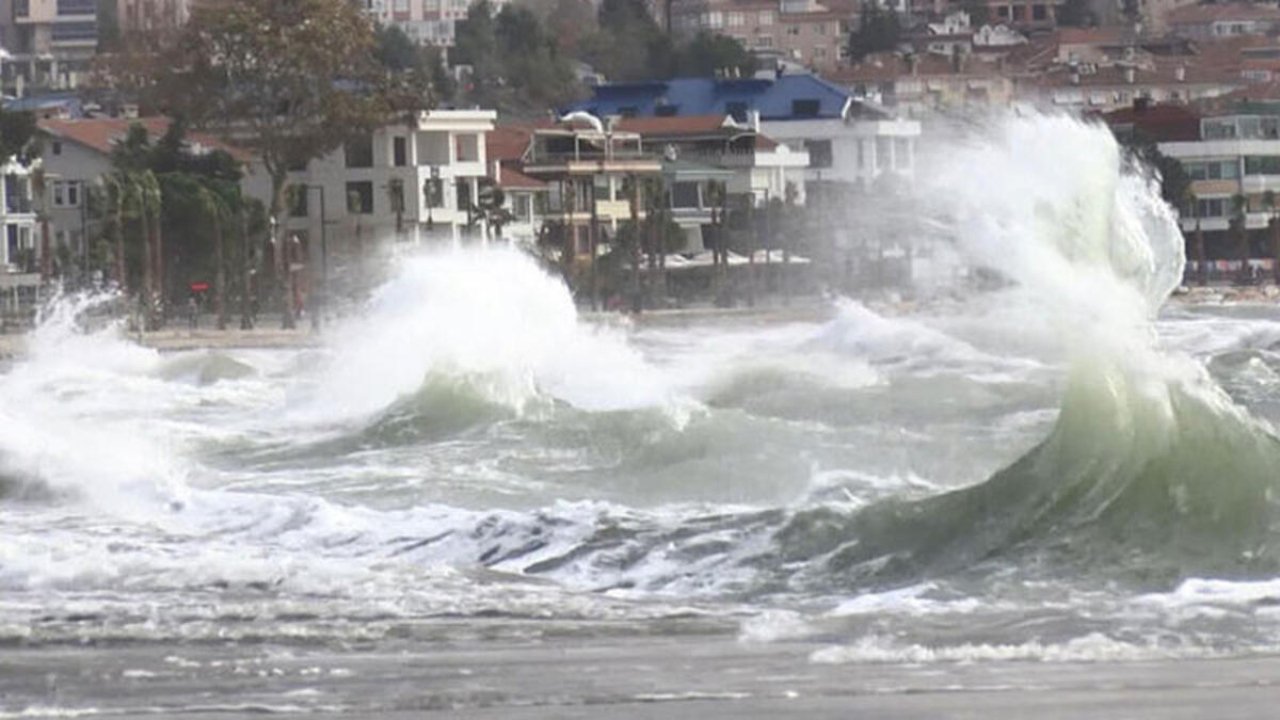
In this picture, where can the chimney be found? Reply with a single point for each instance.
(1075, 77)
(1180, 73)
(1130, 74)
(753, 119)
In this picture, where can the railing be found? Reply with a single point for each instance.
(15, 205)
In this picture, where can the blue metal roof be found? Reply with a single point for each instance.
(786, 97)
(69, 102)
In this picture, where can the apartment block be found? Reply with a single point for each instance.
(804, 32)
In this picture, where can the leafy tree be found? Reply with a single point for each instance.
(476, 44)
(569, 22)
(978, 11)
(878, 30)
(1076, 13)
(292, 79)
(708, 53)
(629, 45)
(395, 50)
(18, 131)
(1175, 184)
(108, 25)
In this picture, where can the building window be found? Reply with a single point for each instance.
(714, 19)
(820, 53)
(1261, 165)
(77, 7)
(819, 153)
(737, 19)
(902, 153)
(359, 152)
(737, 110)
(806, 108)
(1211, 207)
(766, 17)
(1039, 13)
(820, 28)
(400, 151)
(66, 193)
(793, 29)
(464, 195)
(685, 195)
(764, 41)
(298, 195)
(360, 198)
(75, 32)
(522, 206)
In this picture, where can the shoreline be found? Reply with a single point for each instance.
(268, 335)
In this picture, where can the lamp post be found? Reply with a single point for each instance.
(323, 290)
(429, 191)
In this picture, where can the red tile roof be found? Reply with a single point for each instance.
(1197, 14)
(1111, 35)
(101, 134)
(508, 142)
(1163, 123)
(514, 179)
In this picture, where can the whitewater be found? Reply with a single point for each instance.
(468, 498)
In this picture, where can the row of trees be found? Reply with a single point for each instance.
(291, 81)
(522, 58)
(634, 267)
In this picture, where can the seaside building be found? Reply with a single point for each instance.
(427, 21)
(19, 246)
(810, 33)
(1232, 157)
(76, 155)
(848, 141)
(51, 43)
(1221, 20)
(417, 182)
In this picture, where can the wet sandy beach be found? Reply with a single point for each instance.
(691, 676)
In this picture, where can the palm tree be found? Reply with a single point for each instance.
(1239, 218)
(216, 210)
(38, 189)
(151, 201)
(1202, 260)
(1273, 226)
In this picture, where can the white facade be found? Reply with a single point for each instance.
(850, 151)
(17, 214)
(52, 43)
(70, 169)
(428, 21)
(409, 183)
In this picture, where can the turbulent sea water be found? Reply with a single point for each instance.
(1063, 469)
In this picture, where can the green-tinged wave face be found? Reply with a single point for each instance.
(445, 406)
(1136, 482)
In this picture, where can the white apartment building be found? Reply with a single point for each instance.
(415, 182)
(1237, 156)
(851, 150)
(17, 213)
(427, 21)
(51, 43)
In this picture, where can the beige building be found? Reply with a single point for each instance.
(804, 32)
(51, 43)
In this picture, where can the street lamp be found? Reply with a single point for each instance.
(430, 190)
(324, 259)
